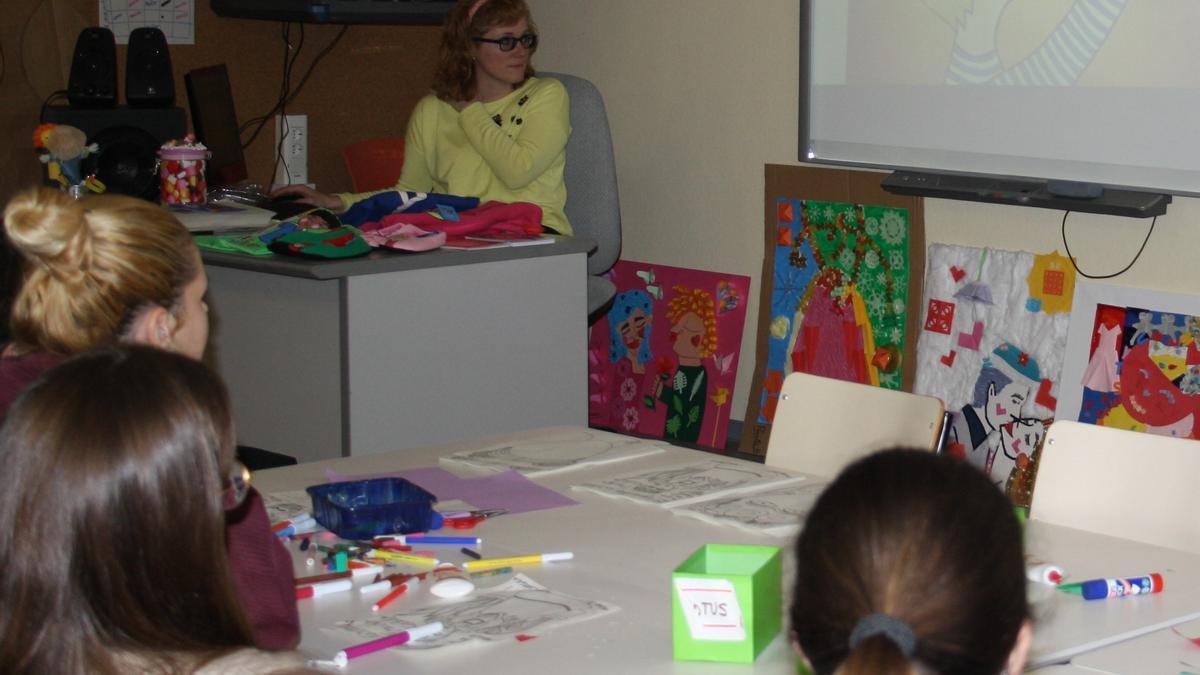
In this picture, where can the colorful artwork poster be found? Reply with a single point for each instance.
(662, 361)
(1143, 372)
(839, 295)
(993, 336)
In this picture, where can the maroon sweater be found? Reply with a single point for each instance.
(262, 568)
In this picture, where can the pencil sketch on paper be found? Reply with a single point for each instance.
(686, 483)
(777, 512)
(518, 606)
(561, 452)
(284, 505)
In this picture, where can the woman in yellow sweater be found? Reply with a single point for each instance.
(490, 129)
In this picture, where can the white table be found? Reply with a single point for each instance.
(1161, 652)
(625, 554)
(329, 358)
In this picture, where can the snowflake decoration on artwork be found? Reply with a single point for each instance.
(871, 226)
(892, 227)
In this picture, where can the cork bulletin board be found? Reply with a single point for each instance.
(364, 87)
(834, 235)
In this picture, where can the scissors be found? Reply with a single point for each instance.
(471, 518)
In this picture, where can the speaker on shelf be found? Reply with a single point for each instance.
(128, 138)
(93, 80)
(149, 81)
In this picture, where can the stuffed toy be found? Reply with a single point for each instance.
(62, 148)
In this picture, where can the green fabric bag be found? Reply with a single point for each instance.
(339, 242)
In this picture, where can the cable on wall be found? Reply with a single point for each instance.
(1123, 270)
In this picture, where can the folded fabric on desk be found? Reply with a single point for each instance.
(338, 242)
(499, 219)
(374, 208)
(404, 237)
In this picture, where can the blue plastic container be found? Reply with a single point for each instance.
(362, 509)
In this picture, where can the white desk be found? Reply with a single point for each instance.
(625, 554)
(328, 358)
(1161, 652)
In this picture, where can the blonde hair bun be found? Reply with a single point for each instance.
(42, 224)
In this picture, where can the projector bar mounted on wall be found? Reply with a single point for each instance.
(1061, 195)
(417, 12)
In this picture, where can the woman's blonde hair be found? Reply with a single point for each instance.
(454, 78)
(90, 266)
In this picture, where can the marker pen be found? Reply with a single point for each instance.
(1045, 574)
(488, 563)
(495, 571)
(324, 588)
(387, 583)
(1098, 589)
(343, 657)
(421, 539)
(395, 556)
(317, 578)
(408, 585)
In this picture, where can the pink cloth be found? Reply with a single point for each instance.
(488, 219)
(1101, 372)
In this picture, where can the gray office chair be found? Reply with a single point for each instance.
(593, 206)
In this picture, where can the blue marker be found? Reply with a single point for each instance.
(1098, 589)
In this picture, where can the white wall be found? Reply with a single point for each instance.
(702, 93)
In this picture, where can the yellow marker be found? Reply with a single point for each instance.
(489, 563)
(396, 556)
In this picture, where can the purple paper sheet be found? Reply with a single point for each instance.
(507, 490)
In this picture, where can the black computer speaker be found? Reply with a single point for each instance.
(93, 81)
(149, 80)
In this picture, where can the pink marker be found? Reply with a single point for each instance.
(343, 657)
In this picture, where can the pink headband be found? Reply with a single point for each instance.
(474, 8)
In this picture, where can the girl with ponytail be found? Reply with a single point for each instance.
(911, 563)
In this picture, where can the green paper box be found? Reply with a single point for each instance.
(727, 602)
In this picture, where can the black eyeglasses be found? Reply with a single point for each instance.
(508, 43)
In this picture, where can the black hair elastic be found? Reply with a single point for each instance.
(894, 629)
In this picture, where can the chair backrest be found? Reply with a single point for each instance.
(822, 424)
(593, 205)
(1120, 483)
(374, 164)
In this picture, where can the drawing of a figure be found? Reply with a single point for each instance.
(1150, 400)
(1059, 60)
(1003, 396)
(629, 324)
(694, 338)
(1015, 445)
(1101, 371)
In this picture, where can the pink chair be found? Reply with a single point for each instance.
(374, 164)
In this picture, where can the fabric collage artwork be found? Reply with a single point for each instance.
(839, 298)
(662, 362)
(1143, 372)
(991, 347)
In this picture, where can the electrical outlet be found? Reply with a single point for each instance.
(291, 142)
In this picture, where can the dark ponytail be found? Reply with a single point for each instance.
(909, 560)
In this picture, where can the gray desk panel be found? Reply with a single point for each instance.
(451, 353)
(277, 342)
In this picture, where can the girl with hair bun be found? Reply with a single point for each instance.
(911, 563)
(119, 468)
(107, 270)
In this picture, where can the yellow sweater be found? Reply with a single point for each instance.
(511, 150)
